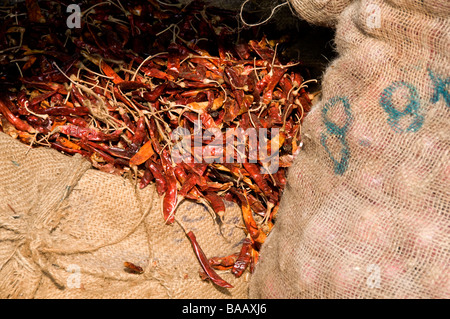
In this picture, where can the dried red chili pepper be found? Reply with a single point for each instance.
(244, 258)
(88, 133)
(215, 278)
(160, 179)
(15, 121)
(223, 263)
(132, 268)
(216, 203)
(255, 173)
(170, 197)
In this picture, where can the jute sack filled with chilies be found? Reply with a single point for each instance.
(66, 231)
(366, 211)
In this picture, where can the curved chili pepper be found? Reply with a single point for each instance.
(170, 197)
(161, 182)
(155, 94)
(244, 258)
(23, 103)
(144, 153)
(216, 203)
(256, 234)
(132, 268)
(14, 120)
(146, 178)
(255, 173)
(67, 150)
(139, 133)
(215, 278)
(223, 263)
(189, 182)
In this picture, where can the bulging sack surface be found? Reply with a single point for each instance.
(68, 229)
(365, 213)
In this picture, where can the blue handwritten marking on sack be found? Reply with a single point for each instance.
(340, 132)
(411, 109)
(439, 88)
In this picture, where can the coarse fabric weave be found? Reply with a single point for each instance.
(366, 211)
(67, 229)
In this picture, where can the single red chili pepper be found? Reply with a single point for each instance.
(160, 179)
(145, 152)
(57, 99)
(173, 61)
(158, 74)
(256, 234)
(216, 203)
(89, 133)
(132, 268)
(170, 197)
(78, 121)
(63, 110)
(23, 103)
(275, 78)
(15, 121)
(189, 182)
(154, 135)
(223, 263)
(244, 258)
(231, 110)
(155, 94)
(68, 150)
(139, 133)
(95, 148)
(119, 152)
(207, 121)
(39, 124)
(255, 173)
(118, 95)
(110, 72)
(146, 178)
(215, 278)
(48, 86)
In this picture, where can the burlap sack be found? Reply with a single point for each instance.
(366, 208)
(67, 229)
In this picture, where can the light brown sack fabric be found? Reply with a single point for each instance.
(67, 229)
(366, 209)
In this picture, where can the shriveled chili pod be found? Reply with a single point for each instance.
(215, 278)
(244, 258)
(223, 263)
(14, 120)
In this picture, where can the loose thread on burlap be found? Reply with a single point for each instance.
(262, 22)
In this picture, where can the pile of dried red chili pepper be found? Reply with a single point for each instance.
(114, 89)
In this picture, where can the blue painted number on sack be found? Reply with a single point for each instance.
(439, 88)
(411, 109)
(339, 131)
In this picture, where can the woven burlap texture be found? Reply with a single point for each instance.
(67, 229)
(366, 209)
